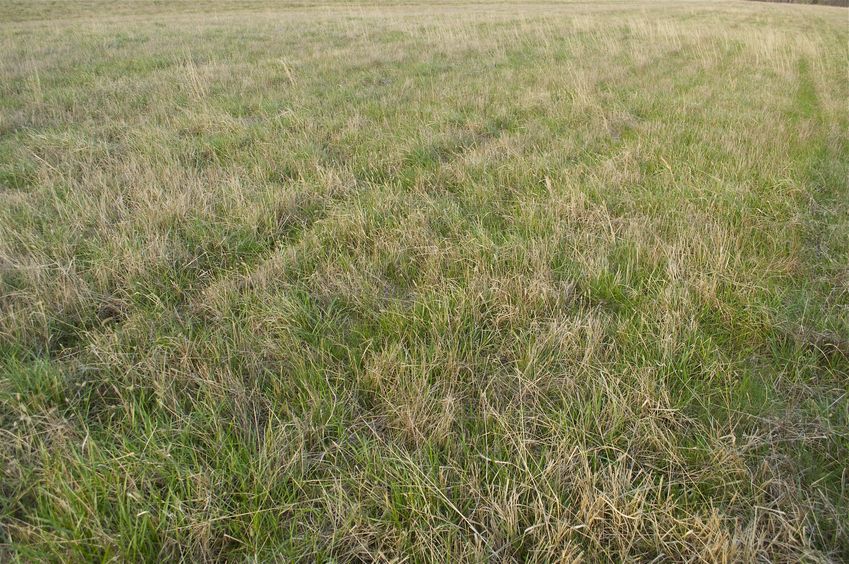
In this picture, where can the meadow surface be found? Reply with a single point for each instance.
(540, 281)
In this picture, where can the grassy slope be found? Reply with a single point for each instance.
(482, 280)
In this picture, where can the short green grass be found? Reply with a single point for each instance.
(423, 281)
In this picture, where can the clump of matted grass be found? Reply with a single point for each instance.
(436, 282)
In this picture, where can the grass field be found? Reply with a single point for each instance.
(424, 281)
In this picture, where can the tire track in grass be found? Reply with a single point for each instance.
(813, 320)
(824, 169)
